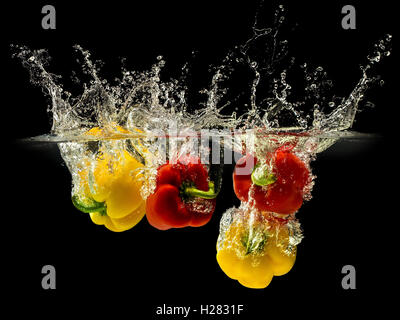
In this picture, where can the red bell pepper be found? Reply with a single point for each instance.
(275, 185)
(184, 196)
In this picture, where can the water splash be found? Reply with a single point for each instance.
(143, 100)
(150, 117)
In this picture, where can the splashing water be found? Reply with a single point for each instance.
(151, 119)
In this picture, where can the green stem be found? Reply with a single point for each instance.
(94, 206)
(262, 177)
(194, 192)
(254, 240)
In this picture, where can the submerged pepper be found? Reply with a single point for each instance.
(252, 254)
(109, 189)
(184, 196)
(276, 183)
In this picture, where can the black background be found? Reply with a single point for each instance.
(350, 220)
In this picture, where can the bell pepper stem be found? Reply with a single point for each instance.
(254, 240)
(194, 192)
(262, 177)
(93, 207)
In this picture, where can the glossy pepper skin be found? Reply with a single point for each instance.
(275, 184)
(184, 196)
(109, 190)
(253, 259)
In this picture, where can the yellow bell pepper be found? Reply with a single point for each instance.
(254, 252)
(109, 188)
